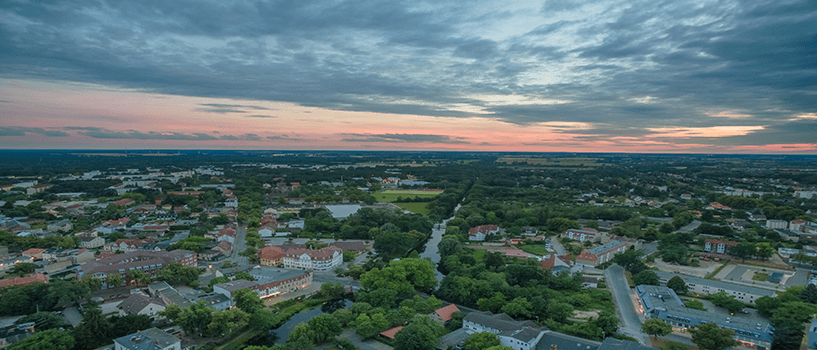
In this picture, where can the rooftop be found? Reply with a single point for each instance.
(717, 284)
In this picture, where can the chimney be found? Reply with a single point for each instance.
(552, 346)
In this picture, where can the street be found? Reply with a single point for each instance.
(242, 263)
(625, 305)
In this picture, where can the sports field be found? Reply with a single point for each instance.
(391, 195)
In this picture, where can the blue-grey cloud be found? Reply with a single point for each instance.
(685, 58)
(99, 133)
(22, 131)
(404, 138)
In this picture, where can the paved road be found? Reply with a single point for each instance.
(242, 262)
(558, 247)
(625, 305)
(800, 277)
(690, 227)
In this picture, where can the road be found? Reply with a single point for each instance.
(649, 248)
(625, 305)
(690, 227)
(557, 246)
(240, 245)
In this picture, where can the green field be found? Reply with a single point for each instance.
(760, 276)
(417, 208)
(537, 249)
(391, 195)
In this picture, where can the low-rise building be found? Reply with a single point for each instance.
(60, 226)
(478, 233)
(718, 246)
(148, 262)
(745, 294)
(89, 240)
(773, 224)
(15, 333)
(601, 254)
(148, 339)
(271, 256)
(581, 235)
(275, 281)
(517, 335)
(8, 263)
(140, 304)
(323, 259)
(22, 281)
(662, 302)
(444, 314)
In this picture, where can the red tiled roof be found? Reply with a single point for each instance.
(271, 253)
(123, 202)
(391, 332)
(446, 312)
(319, 254)
(21, 281)
(33, 251)
(484, 229)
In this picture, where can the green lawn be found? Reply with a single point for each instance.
(391, 195)
(479, 254)
(537, 249)
(760, 276)
(417, 208)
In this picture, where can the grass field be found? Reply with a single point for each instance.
(537, 249)
(417, 208)
(556, 162)
(391, 195)
(760, 276)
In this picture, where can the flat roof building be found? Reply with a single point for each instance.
(742, 293)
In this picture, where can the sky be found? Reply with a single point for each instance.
(539, 76)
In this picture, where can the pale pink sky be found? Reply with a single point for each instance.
(118, 115)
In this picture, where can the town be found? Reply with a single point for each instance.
(406, 250)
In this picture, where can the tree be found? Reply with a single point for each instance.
(646, 277)
(695, 304)
(43, 320)
(656, 327)
(226, 321)
(480, 341)
(247, 300)
(22, 269)
(809, 295)
(608, 323)
(518, 307)
(630, 260)
(727, 302)
(244, 276)
(677, 284)
(743, 250)
(559, 311)
(139, 277)
(449, 246)
(114, 280)
(708, 336)
(122, 326)
(93, 283)
(93, 331)
(364, 326)
(318, 330)
(349, 255)
(420, 334)
(176, 273)
(788, 334)
(492, 304)
(766, 305)
(51, 339)
(332, 290)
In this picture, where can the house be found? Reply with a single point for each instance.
(775, 224)
(224, 247)
(228, 288)
(60, 226)
(216, 301)
(478, 233)
(276, 281)
(757, 216)
(128, 245)
(601, 254)
(34, 253)
(148, 339)
(718, 246)
(271, 256)
(124, 202)
(22, 281)
(9, 263)
(323, 259)
(662, 303)
(529, 231)
(686, 196)
(140, 304)
(15, 333)
(581, 235)
(390, 333)
(355, 246)
(556, 263)
(797, 225)
(111, 226)
(812, 335)
(266, 231)
(168, 294)
(444, 314)
(89, 240)
(511, 333)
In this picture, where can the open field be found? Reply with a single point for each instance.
(391, 195)
(536, 249)
(417, 208)
(556, 162)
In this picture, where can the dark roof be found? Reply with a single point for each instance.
(137, 302)
(615, 344)
(565, 342)
(501, 322)
(149, 339)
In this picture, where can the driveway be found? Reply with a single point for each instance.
(690, 227)
(625, 305)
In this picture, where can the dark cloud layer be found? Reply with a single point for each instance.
(21, 131)
(403, 138)
(613, 64)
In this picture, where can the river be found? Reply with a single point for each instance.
(432, 252)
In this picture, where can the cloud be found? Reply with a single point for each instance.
(22, 131)
(618, 63)
(411, 138)
(151, 135)
(282, 137)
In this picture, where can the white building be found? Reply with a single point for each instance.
(151, 338)
(310, 259)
